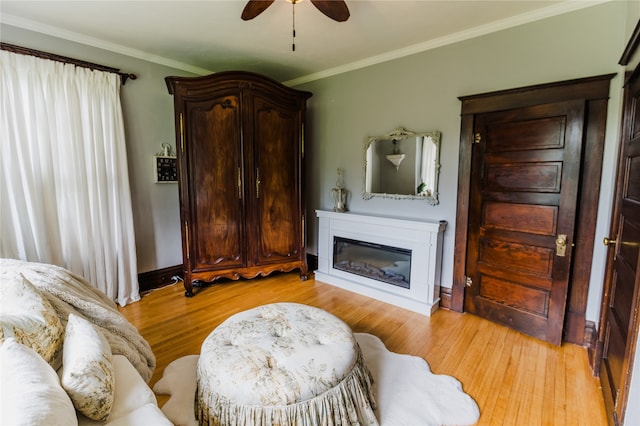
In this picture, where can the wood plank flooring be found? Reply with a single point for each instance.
(515, 379)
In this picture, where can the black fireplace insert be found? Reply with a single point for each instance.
(388, 264)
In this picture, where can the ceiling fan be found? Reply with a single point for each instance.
(334, 9)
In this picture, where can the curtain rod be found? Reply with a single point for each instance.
(45, 55)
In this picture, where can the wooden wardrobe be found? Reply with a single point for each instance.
(240, 145)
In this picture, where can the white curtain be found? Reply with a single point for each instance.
(64, 184)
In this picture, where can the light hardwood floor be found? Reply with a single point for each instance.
(515, 379)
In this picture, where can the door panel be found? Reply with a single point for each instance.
(528, 177)
(621, 300)
(278, 197)
(214, 164)
(540, 134)
(528, 218)
(524, 178)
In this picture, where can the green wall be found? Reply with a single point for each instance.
(420, 92)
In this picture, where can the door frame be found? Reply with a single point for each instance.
(616, 405)
(595, 92)
(597, 354)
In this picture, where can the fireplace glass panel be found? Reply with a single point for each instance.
(388, 264)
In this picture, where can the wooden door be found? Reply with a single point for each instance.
(525, 175)
(621, 301)
(276, 211)
(213, 191)
(501, 107)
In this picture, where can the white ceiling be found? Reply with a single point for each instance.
(209, 36)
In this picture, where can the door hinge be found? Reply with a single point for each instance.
(477, 138)
(468, 281)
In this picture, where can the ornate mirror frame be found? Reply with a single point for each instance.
(423, 152)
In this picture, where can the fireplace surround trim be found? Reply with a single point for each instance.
(423, 237)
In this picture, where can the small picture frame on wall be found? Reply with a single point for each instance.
(165, 169)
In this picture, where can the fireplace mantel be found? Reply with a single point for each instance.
(423, 238)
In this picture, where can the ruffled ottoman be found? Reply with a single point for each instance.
(283, 364)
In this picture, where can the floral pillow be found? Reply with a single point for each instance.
(87, 372)
(26, 315)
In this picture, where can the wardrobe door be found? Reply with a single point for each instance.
(276, 212)
(214, 203)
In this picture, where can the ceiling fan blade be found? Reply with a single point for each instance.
(334, 9)
(255, 8)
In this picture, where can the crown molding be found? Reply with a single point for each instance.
(39, 27)
(554, 10)
(514, 21)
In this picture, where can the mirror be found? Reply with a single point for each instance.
(402, 165)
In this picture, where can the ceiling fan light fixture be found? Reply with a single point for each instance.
(334, 9)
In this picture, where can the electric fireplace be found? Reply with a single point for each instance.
(395, 260)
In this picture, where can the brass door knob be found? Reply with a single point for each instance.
(561, 245)
(609, 242)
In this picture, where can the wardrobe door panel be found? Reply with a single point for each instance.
(277, 199)
(214, 151)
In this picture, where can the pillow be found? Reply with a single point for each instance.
(131, 391)
(87, 371)
(26, 315)
(30, 392)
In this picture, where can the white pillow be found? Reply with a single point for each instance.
(26, 315)
(87, 371)
(131, 391)
(30, 392)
